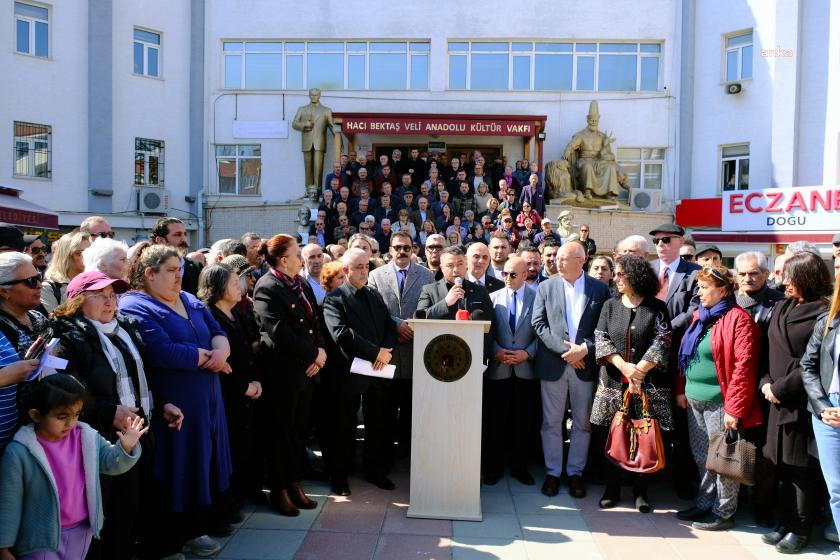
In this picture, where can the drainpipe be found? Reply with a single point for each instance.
(199, 203)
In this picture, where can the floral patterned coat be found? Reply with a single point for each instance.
(641, 333)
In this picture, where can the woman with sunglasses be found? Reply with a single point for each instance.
(632, 341)
(718, 365)
(20, 297)
(67, 263)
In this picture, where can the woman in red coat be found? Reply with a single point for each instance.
(718, 363)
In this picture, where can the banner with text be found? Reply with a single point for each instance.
(786, 209)
(437, 126)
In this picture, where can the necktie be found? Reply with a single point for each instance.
(663, 285)
(512, 316)
(402, 272)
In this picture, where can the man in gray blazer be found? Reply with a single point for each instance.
(399, 283)
(566, 311)
(512, 393)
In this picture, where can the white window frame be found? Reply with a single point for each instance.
(160, 163)
(31, 21)
(237, 158)
(574, 53)
(31, 151)
(643, 163)
(344, 51)
(738, 162)
(739, 49)
(146, 47)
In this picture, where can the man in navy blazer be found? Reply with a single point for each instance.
(566, 311)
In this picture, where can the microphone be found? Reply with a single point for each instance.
(460, 282)
(420, 314)
(477, 315)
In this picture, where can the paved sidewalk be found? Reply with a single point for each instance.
(519, 523)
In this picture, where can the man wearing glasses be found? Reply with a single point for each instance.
(399, 283)
(677, 287)
(38, 251)
(96, 226)
(435, 244)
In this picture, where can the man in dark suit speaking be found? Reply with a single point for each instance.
(361, 325)
(565, 314)
(444, 298)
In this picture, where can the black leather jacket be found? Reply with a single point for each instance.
(818, 364)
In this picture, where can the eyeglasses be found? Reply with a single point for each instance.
(512, 275)
(106, 297)
(434, 247)
(109, 234)
(401, 248)
(31, 282)
(36, 250)
(665, 240)
(584, 230)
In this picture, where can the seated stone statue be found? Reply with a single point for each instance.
(596, 171)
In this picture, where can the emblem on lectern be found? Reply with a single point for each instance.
(447, 357)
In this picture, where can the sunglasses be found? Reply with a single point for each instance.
(689, 258)
(837, 244)
(31, 282)
(714, 272)
(512, 275)
(109, 234)
(401, 248)
(36, 250)
(665, 240)
(434, 247)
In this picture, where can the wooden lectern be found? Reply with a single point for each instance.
(446, 419)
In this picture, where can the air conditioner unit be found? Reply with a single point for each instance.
(646, 200)
(153, 200)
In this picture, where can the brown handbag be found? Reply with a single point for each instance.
(635, 444)
(732, 457)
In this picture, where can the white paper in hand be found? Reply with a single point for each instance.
(49, 363)
(364, 367)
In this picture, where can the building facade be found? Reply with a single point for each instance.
(186, 108)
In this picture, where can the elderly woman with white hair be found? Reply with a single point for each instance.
(107, 256)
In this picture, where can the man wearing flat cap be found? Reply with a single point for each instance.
(708, 255)
(677, 287)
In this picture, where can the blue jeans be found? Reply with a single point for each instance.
(828, 445)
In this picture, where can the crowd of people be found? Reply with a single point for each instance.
(211, 377)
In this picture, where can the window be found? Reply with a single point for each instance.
(146, 53)
(239, 169)
(32, 29)
(32, 150)
(739, 53)
(643, 166)
(527, 66)
(148, 162)
(735, 167)
(335, 65)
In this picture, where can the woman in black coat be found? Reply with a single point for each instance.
(104, 351)
(790, 441)
(632, 342)
(220, 289)
(288, 315)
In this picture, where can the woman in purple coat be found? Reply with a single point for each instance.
(186, 353)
